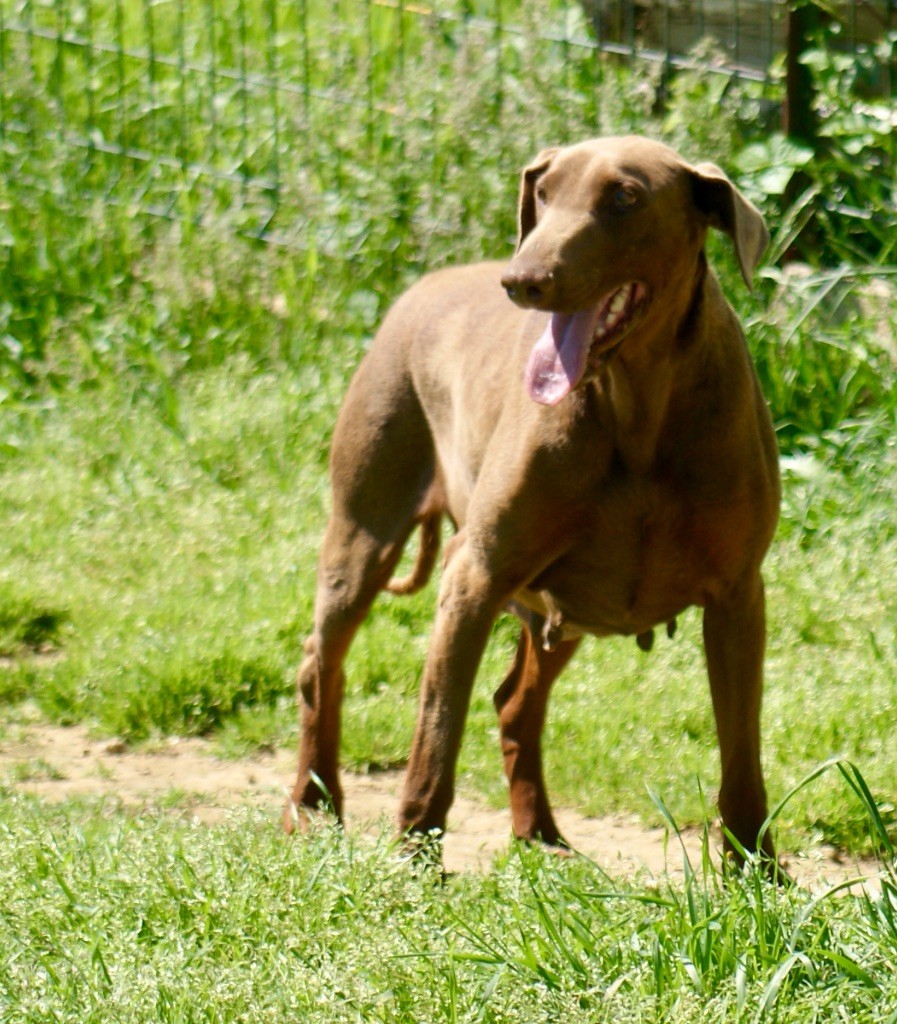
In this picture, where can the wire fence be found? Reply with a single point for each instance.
(750, 33)
(254, 111)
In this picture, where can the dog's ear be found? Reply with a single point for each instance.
(526, 207)
(728, 210)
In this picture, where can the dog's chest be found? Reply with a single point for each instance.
(640, 559)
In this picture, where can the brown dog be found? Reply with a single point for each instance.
(603, 450)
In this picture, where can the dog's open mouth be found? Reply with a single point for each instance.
(559, 359)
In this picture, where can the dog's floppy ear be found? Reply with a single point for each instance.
(526, 208)
(728, 210)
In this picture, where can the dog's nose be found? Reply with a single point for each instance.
(531, 288)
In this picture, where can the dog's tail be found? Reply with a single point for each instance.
(426, 557)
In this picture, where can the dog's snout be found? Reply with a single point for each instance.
(531, 288)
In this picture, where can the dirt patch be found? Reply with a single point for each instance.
(56, 763)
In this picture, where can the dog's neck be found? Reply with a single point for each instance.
(638, 381)
(688, 328)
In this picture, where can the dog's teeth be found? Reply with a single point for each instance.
(615, 311)
(618, 301)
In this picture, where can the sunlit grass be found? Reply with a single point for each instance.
(150, 918)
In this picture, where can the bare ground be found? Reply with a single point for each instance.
(185, 775)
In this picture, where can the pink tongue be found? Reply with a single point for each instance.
(558, 359)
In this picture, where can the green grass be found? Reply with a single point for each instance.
(108, 917)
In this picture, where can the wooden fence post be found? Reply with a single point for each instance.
(798, 116)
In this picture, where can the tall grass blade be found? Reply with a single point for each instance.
(667, 816)
(854, 778)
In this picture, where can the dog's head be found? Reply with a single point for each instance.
(611, 236)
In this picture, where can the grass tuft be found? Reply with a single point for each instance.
(27, 624)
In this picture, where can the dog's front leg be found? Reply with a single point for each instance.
(734, 642)
(467, 607)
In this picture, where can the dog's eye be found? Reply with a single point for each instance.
(541, 195)
(625, 197)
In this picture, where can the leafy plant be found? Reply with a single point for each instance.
(854, 172)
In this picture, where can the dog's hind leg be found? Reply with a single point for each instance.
(521, 703)
(350, 574)
(382, 476)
